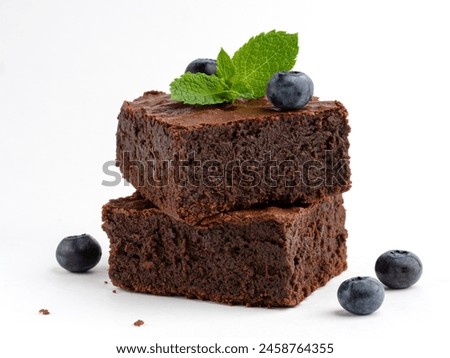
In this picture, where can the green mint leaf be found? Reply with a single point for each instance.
(245, 75)
(243, 89)
(261, 57)
(225, 67)
(199, 88)
(227, 70)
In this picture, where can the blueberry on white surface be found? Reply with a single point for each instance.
(361, 295)
(203, 65)
(398, 268)
(290, 90)
(78, 253)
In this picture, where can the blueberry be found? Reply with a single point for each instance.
(203, 65)
(398, 268)
(78, 253)
(361, 295)
(290, 90)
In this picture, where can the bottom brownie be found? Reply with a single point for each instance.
(271, 257)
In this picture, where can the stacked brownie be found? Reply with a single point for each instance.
(237, 203)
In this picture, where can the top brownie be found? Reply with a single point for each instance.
(196, 161)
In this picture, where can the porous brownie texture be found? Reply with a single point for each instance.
(270, 257)
(197, 161)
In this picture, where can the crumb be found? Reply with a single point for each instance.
(105, 282)
(114, 291)
(44, 311)
(138, 323)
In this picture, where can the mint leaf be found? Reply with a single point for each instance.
(225, 67)
(227, 70)
(262, 56)
(243, 89)
(199, 88)
(245, 75)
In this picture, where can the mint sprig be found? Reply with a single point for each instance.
(245, 75)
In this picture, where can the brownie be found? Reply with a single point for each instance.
(271, 257)
(196, 161)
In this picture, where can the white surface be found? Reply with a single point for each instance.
(65, 69)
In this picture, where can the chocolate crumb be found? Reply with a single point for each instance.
(105, 282)
(114, 291)
(44, 311)
(138, 323)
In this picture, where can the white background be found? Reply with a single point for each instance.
(66, 67)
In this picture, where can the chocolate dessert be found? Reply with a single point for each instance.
(271, 257)
(193, 162)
